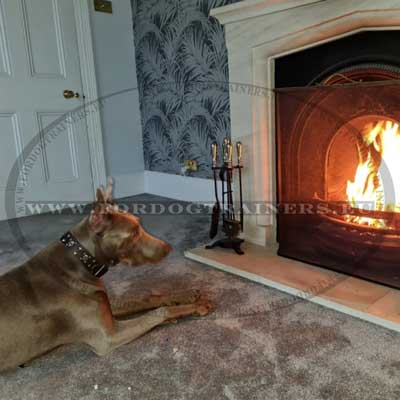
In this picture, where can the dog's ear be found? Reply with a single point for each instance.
(104, 196)
(100, 196)
(109, 191)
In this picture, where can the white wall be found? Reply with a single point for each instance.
(116, 71)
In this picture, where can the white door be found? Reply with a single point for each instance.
(39, 60)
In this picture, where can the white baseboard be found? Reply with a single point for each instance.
(176, 187)
(126, 185)
(179, 187)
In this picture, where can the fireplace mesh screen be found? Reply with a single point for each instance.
(338, 156)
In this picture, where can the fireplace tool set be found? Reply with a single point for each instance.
(231, 225)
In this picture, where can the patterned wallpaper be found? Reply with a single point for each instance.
(182, 65)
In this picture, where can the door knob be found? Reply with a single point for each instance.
(69, 94)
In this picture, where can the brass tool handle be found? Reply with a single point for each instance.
(230, 154)
(239, 150)
(227, 143)
(214, 149)
(69, 94)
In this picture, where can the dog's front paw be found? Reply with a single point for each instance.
(204, 308)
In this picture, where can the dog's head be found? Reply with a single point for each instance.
(120, 236)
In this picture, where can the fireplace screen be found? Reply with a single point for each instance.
(338, 155)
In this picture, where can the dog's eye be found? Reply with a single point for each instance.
(135, 234)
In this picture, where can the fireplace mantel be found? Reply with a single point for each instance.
(258, 32)
(254, 8)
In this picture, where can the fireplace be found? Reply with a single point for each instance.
(286, 98)
(275, 123)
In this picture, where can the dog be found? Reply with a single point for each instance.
(58, 297)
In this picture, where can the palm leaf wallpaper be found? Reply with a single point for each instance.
(182, 64)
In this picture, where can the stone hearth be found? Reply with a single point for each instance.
(356, 297)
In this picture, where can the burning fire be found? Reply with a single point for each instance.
(381, 147)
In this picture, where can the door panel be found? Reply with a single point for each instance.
(44, 38)
(60, 159)
(5, 68)
(11, 143)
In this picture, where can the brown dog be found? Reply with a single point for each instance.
(57, 297)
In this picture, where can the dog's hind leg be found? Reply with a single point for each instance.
(123, 309)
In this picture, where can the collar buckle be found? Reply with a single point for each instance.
(99, 270)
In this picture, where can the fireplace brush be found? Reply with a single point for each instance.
(231, 226)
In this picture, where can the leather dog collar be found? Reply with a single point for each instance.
(86, 259)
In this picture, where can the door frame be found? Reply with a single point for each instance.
(89, 83)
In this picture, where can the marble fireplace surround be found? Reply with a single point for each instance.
(258, 32)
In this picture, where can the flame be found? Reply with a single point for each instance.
(380, 147)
